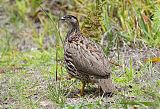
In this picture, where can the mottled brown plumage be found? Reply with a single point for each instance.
(84, 59)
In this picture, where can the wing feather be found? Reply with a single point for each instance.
(88, 58)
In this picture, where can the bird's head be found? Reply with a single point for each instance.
(72, 21)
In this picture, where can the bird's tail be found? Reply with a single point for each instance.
(106, 85)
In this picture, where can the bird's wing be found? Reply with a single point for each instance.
(88, 57)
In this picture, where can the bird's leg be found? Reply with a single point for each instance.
(82, 88)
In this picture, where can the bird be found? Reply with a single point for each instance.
(84, 59)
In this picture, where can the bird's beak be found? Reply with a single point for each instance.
(62, 18)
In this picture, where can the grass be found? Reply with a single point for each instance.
(32, 59)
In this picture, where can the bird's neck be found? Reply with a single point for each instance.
(74, 29)
(72, 33)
